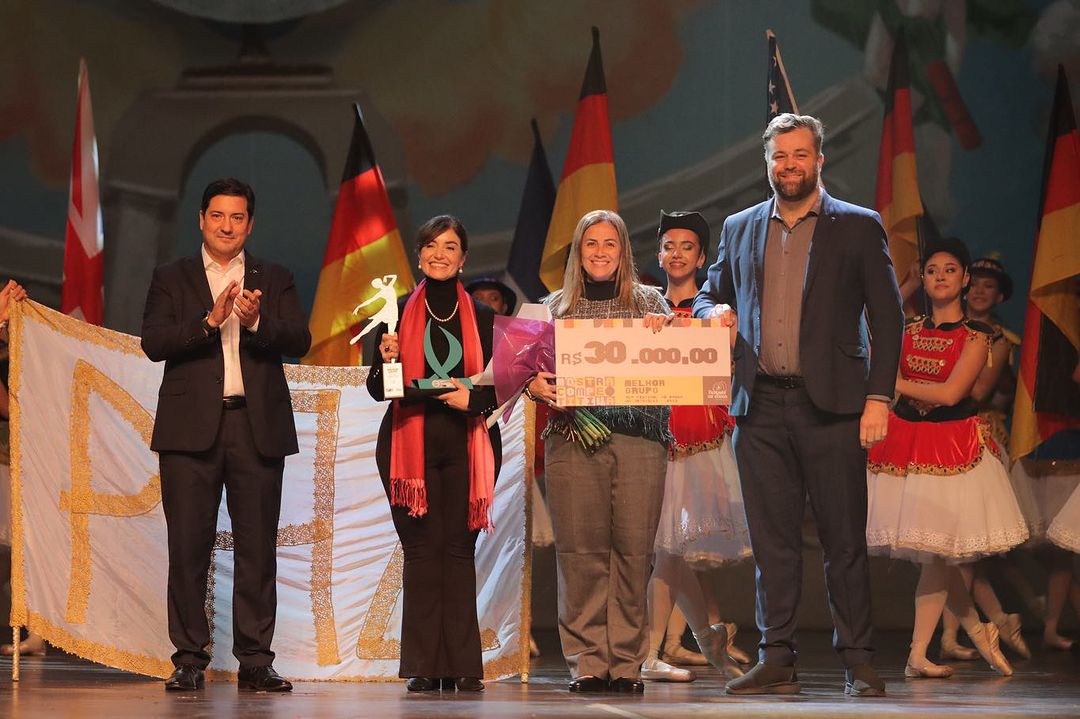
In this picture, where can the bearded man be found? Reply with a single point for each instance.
(808, 282)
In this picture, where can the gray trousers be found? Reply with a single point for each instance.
(604, 512)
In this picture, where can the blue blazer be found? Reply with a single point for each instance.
(845, 354)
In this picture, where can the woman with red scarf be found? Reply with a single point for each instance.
(438, 462)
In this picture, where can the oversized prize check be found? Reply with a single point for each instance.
(623, 362)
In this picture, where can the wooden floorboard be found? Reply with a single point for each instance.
(1048, 685)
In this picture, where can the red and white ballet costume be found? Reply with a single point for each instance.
(936, 484)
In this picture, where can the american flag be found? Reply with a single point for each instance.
(780, 98)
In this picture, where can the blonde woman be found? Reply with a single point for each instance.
(605, 506)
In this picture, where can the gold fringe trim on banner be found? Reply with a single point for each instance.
(525, 632)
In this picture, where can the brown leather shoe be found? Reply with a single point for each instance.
(862, 681)
(261, 679)
(185, 678)
(766, 679)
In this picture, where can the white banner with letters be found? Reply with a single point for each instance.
(89, 555)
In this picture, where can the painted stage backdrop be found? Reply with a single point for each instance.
(448, 89)
(89, 555)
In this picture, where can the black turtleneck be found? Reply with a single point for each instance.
(442, 295)
(600, 290)
(442, 298)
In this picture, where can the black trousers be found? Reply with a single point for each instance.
(191, 487)
(440, 634)
(788, 450)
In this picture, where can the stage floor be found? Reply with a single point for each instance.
(1048, 685)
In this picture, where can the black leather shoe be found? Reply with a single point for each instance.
(766, 679)
(261, 679)
(862, 681)
(185, 678)
(588, 685)
(468, 684)
(422, 684)
(627, 685)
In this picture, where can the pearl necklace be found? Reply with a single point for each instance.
(434, 316)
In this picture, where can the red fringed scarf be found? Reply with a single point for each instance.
(407, 485)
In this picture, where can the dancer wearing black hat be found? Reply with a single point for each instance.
(993, 394)
(938, 494)
(494, 294)
(702, 522)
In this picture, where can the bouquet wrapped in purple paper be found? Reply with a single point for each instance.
(520, 349)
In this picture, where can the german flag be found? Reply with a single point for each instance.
(588, 176)
(364, 244)
(898, 200)
(1047, 397)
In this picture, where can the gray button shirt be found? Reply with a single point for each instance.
(787, 251)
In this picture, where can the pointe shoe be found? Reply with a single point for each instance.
(737, 655)
(929, 670)
(714, 646)
(676, 653)
(657, 671)
(1055, 641)
(990, 649)
(534, 651)
(954, 651)
(1012, 636)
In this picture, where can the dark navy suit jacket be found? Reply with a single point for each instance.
(848, 271)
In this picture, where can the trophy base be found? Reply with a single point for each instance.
(428, 383)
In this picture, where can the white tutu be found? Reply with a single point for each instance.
(1025, 499)
(959, 518)
(1064, 531)
(1051, 483)
(703, 519)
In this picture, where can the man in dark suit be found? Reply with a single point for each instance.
(808, 282)
(222, 320)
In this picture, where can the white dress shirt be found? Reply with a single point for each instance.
(219, 278)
